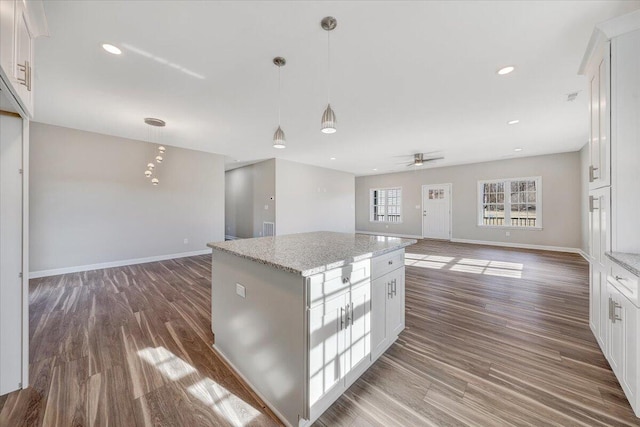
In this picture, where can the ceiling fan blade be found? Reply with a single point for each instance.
(432, 159)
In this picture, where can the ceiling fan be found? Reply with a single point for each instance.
(420, 159)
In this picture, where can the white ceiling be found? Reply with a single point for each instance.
(407, 76)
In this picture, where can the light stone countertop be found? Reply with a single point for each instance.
(311, 253)
(630, 262)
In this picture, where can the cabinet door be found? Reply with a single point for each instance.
(359, 331)
(395, 320)
(599, 224)
(7, 15)
(599, 141)
(380, 294)
(327, 347)
(616, 325)
(631, 358)
(23, 70)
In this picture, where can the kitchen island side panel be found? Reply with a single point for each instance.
(262, 334)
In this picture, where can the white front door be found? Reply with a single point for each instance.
(436, 211)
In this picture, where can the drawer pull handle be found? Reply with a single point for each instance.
(345, 280)
(620, 278)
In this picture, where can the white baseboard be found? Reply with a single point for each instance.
(584, 255)
(76, 269)
(520, 246)
(406, 236)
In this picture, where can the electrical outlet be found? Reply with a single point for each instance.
(186, 241)
(240, 290)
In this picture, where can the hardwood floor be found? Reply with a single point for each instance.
(128, 346)
(494, 337)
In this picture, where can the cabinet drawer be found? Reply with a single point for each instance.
(386, 263)
(326, 285)
(625, 282)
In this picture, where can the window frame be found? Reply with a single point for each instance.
(507, 202)
(371, 205)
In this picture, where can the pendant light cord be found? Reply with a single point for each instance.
(279, 94)
(328, 67)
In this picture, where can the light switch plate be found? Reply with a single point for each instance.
(240, 290)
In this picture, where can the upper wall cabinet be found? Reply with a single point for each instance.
(612, 67)
(599, 125)
(20, 23)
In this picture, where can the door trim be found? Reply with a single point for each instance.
(450, 188)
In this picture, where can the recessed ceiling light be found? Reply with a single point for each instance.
(513, 122)
(517, 150)
(375, 169)
(333, 158)
(111, 49)
(506, 70)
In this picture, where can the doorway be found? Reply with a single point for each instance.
(436, 211)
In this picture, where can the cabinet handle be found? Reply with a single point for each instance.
(620, 278)
(345, 280)
(351, 315)
(610, 311)
(592, 175)
(592, 205)
(614, 316)
(26, 69)
(390, 262)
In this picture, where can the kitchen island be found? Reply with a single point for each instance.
(300, 317)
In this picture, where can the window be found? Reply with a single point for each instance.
(386, 205)
(515, 202)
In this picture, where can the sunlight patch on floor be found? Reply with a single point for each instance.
(224, 403)
(465, 265)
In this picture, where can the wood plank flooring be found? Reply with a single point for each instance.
(494, 337)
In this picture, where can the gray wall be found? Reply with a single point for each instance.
(584, 198)
(90, 202)
(561, 193)
(249, 190)
(310, 198)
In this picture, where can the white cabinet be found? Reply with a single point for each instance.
(624, 338)
(599, 140)
(387, 299)
(20, 23)
(625, 141)
(358, 337)
(355, 321)
(599, 220)
(598, 304)
(327, 365)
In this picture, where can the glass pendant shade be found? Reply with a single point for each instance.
(147, 173)
(328, 120)
(159, 159)
(151, 165)
(279, 140)
(155, 181)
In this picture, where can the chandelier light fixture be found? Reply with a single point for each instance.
(329, 121)
(155, 126)
(279, 140)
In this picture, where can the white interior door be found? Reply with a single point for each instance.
(436, 211)
(10, 253)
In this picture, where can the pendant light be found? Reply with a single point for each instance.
(328, 117)
(155, 128)
(279, 141)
